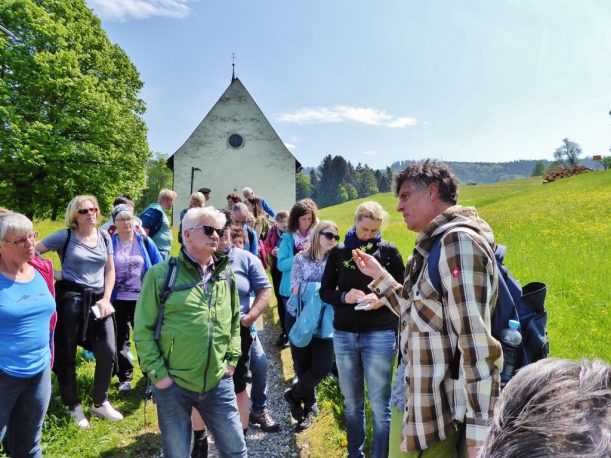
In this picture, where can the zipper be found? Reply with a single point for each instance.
(209, 333)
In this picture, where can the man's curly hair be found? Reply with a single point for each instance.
(423, 173)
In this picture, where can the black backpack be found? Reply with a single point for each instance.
(523, 304)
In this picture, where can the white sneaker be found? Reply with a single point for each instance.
(106, 411)
(79, 417)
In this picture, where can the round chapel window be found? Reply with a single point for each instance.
(236, 140)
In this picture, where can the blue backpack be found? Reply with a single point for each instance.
(523, 304)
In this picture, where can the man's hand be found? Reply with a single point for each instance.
(275, 251)
(165, 382)
(229, 371)
(247, 320)
(367, 264)
(106, 308)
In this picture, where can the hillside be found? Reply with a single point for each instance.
(557, 234)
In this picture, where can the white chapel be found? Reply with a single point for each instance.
(233, 147)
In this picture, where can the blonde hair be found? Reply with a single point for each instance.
(166, 194)
(197, 199)
(314, 249)
(73, 208)
(372, 210)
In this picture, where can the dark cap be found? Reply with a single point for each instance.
(204, 190)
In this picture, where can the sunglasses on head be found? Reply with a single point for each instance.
(330, 236)
(84, 211)
(209, 230)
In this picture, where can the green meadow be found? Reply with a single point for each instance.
(557, 233)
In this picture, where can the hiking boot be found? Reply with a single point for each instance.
(294, 404)
(282, 341)
(106, 411)
(125, 387)
(264, 420)
(306, 422)
(79, 417)
(200, 446)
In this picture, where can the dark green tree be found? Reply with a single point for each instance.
(538, 169)
(303, 186)
(70, 112)
(314, 185)
(158, 176)
(568, 153)
(366, 182)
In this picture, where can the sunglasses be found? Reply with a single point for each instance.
(209, 230)
(330, 236)
(24, 240)
(84, 211)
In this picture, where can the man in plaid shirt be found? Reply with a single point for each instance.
(452, 362)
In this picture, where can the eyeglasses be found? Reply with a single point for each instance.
(84, 211)
(24, 240)
(209, 230)
(330, 236)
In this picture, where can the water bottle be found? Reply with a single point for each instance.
(510, 341)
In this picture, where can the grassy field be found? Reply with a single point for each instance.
(558, 234)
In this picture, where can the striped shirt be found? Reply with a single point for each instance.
(433, 326)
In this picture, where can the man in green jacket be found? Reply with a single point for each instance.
(192, 363)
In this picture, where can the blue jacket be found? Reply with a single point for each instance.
(286, 254)
(267, 208)
(315, 317)
(149, 250)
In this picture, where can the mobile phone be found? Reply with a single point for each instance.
(96, 312)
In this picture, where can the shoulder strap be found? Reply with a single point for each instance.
(66, 243)
(168, 285)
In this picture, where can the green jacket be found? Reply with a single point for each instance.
(200, 333)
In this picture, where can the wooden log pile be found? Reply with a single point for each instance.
(564, 172)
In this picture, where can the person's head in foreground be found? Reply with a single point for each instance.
(553, 408)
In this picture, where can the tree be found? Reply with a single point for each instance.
(314, 185)
(538, 169)
(606, 162)
(158, 176)
(568, 153)
(69, 110)
(366, 182)
(303, 186)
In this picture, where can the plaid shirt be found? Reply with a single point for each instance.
(433, 326)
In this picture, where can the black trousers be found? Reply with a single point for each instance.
(241, 370)
(124, 316)
(99, 338)
(312, 364)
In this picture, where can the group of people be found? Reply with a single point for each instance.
(345, 301)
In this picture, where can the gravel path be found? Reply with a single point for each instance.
(259, 443)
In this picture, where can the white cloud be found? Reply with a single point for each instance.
(371, 153)
(342, 113)
(125, 10)
(290, 145)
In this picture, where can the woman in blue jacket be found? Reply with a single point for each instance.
(302, 220)
(133, 254)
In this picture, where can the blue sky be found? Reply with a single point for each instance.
(379, 81)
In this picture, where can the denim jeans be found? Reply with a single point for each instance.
(366, 357)
(23, 405)
(217, 407)
(258, 368)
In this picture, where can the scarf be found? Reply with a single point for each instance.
(368, 246)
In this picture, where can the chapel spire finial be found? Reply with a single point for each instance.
(233, 58)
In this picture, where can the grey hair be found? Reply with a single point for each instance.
(193, 216)
(14, 222)
(554, 407)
